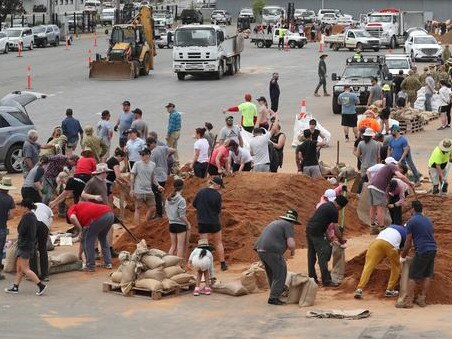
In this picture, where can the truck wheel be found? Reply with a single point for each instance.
(160, 46)
(292, 44)
(376, 49)
(336, 47)
(268, 44)
(230, 69)
(13, 161)
(336, 106)
(219, 74)
(181, 76)
(392, 44)
(300, 44)
(260, 44)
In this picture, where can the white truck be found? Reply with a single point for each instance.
(390, 24)
(267, 40)
(351, 39)
(205, 49)
(273, 14)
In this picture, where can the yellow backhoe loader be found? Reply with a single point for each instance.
(131, 52)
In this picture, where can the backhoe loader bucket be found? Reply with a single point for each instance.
(111, 70)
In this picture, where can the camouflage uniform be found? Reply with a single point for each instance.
(411, 85)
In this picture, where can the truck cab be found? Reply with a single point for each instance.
(358, 75)
(384, 25)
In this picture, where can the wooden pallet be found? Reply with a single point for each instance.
(411, 126)
(112, 287)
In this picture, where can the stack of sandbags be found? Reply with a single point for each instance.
(340, 171)
(300, 289)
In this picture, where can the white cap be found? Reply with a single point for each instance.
(390, 160)
(330, 194)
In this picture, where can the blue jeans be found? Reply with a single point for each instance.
(408, 161)
(428, 102)
(98, 229)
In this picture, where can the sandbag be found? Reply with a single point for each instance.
(149, 284)
(49, 245)
(116, 277)
(171, 260)
(338, 271)
(156, 252)
(128, 276)
(169, 284)
(234, 288)
(182, 278)
(261, 276)
(308, 293)
(301, 124)
(152, 262)
(62, 259)
(156, 274)
(248, 281)
(403, 283)
(294, 283)
(172, 271)
(9, 264)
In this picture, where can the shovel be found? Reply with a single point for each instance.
(119, 221)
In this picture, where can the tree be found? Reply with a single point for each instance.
(10, 7)
(257, 7)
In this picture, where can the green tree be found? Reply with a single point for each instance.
(257, 7)
(10, 7)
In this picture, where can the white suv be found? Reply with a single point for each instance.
(23, 35)
(420, 46)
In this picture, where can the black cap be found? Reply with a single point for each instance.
(105, 113)
(126, 102)
(137, 111)
(145, 151)
(217, 180)
(170, 104)
(131, 130)
(229, 117)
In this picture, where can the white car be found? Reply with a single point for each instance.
(329, 18)
(421, 46)
(397, 62)
(4, 43)
(22, 35)
(322, 12)
(247, 13)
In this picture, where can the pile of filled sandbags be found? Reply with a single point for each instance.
(408, 113)
(150, 269)
(339, 171)
(300, 289)
(253, 280)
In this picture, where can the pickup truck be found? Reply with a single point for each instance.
(267, 40)
(351, 39)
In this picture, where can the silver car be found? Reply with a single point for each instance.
(44, 35)
(14, 126)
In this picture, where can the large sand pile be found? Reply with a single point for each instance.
(250, 202)
(439, 209)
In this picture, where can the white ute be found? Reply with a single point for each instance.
(351, 39)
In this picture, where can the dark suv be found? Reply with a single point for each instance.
(191, 16)
(14, 126)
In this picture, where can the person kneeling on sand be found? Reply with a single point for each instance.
(201, 259)
(386, 245)
(273, 242)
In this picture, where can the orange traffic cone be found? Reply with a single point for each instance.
(302, 114)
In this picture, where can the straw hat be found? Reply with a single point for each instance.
(204, 243)
(7, 184)
(445, 145)
(101, 168)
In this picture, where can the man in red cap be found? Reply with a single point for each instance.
(248, 111)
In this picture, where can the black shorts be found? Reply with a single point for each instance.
(24, 254)
(200, 169)
(208, 228)
(177, 228)
(385, 113)
(213, 170)
(422, 266)
(349, 120)
(444, 109)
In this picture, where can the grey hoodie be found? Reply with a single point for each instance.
(175, 209)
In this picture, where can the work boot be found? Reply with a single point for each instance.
(420, 301)
(444, 188)
(275, 301)
(435, 189)
(407, 302)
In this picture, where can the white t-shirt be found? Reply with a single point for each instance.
(43, 213)
(243, 154)
(392, 236)
(259, 149)
(203, 146)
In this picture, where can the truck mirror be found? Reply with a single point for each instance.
(334, 76)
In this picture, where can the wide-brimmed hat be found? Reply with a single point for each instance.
(204, 243)
(7, 184)
(291, 216)
(101, 168)
(330, 194)
(445, 145)
(369, 132)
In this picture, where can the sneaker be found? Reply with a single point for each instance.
(107, 266)
(404, 304)
(326, 95)
(448, 126)
(347, 139)
(358, 293)
(13, 289)
(316, 94)
(206, 291)
(41, 290)
(391, 293)
(440, 128)
(276, 301)
(197, 291)
(88, 269)
(420, 301)
(224, 266)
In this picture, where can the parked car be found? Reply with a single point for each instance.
(4, 43)
(108, 16)
(20, 35)
(162, 39)
(329, 18)
(14, 126)
(220, 16)
(420, 46)
(44, 35)
(397, 62)
(247, 13)
(191, 16)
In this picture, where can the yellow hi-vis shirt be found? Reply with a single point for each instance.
(438, 157)
(249, 111)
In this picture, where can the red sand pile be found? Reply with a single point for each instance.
(250, 202)
(439, 210)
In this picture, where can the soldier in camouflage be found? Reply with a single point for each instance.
(411, 85)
